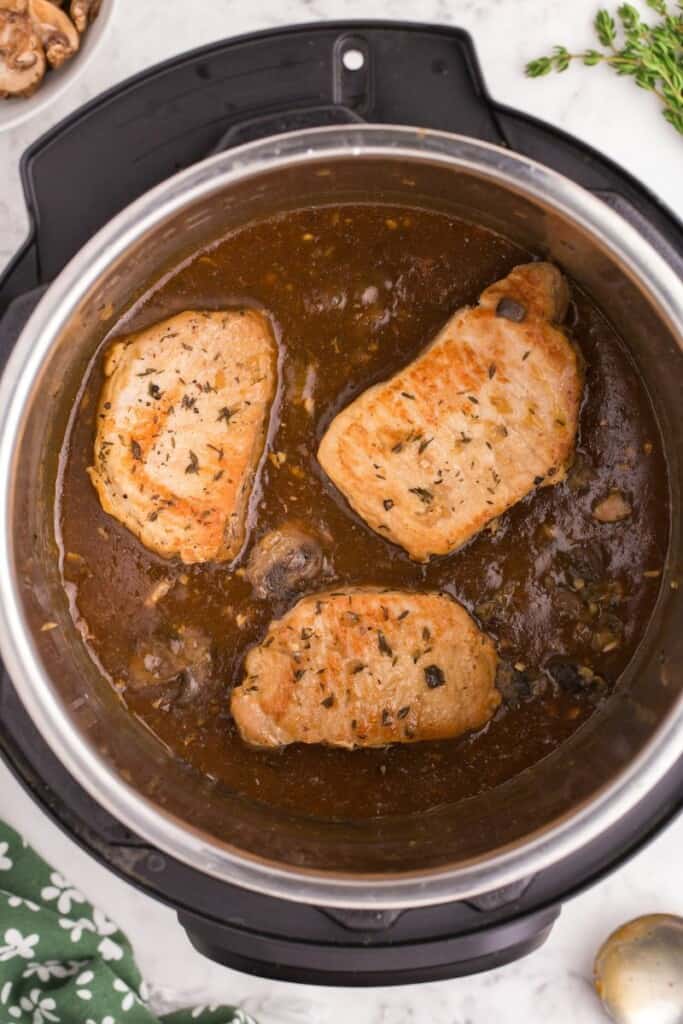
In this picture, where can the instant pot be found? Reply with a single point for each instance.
(304, 116)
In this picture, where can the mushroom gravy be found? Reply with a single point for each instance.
(355, 292)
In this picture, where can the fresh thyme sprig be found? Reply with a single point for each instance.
(651, 54)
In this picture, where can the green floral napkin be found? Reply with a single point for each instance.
(62, 961)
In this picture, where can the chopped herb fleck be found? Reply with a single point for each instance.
(425, 444)
(388, 504)
(193, 465)
(154, 390)
(434, 677)
(386, 716)
(492, 371)
(188, 403)
(136, 450)
(423, 494)
(407, 394)
(226, 414)
(402, 712)
(328, 702)
(403, 615)
(383, 644)
(397, 447)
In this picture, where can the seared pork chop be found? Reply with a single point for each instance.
(485, 414)
(365, 667)
(181, 428)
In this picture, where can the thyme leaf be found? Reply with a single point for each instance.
(649, 53)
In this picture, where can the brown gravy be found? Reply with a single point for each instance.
(356, 292)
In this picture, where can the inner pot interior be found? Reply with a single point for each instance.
(448, 836)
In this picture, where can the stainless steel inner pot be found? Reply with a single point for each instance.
(448, 852)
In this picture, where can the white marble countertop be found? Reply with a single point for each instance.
(611, 114)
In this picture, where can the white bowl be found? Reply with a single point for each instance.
(17, 109)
